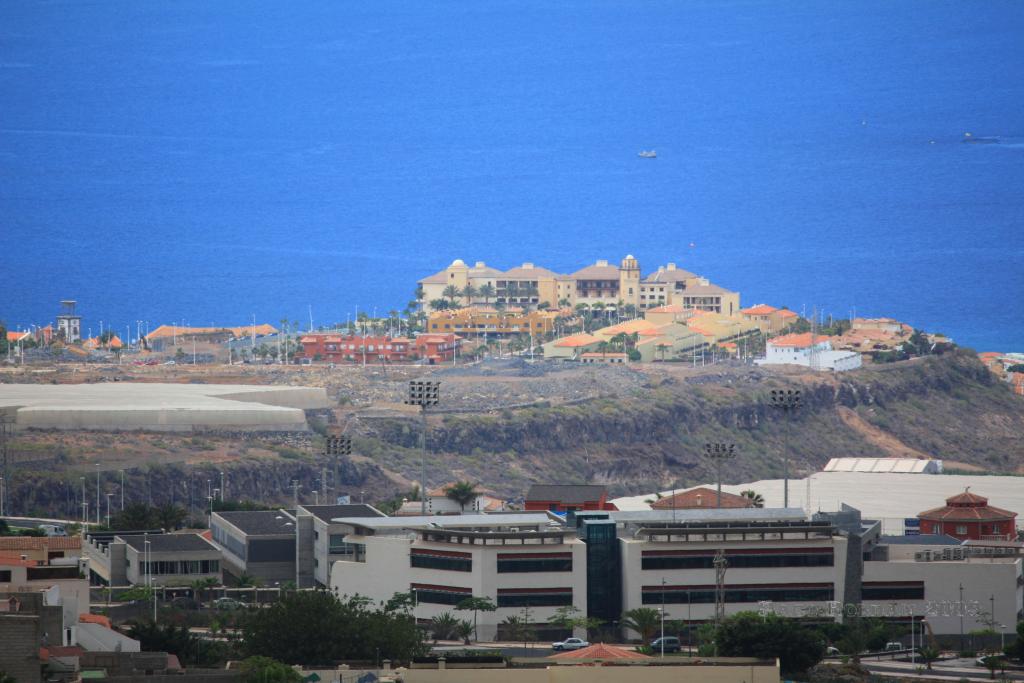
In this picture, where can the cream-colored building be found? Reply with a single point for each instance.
(776, 556)
(603, 282)
(528, 564)
(473, 321)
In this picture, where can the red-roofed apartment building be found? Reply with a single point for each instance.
(350, 348)
(566, 497)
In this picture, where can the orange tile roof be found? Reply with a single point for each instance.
(760, 309)
(94, 619)
(577, 340)
(611, 354)
(799, 341)
(40, 543)
(600, 651)
(13, 560)
(669, 308)
(786, 313)
(17, 336)
(165, 331)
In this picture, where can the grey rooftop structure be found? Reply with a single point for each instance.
(168, 543)
(326, 513)
(260, 522)
(523, 519)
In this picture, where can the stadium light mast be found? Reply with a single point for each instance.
(423, 393)
(788, 402)
(719, 452)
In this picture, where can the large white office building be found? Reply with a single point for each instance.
(828, 566)
(528, 564)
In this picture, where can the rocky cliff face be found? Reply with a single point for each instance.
(948, 407)
(640, 431)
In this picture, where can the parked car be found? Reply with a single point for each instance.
(53, 530)
(570, 644)
(227, 603)
(182, 602)
(832, 651)
(894, 646)
(670, 644)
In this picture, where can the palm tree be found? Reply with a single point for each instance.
(756, 498)
(643, 620)
(199, 586)
(246, 580)
(438, 304)
(563, 303)
(603, 346)
(486, 291)
(662, 348)
(451, 292)
(468, 293)
(462, 492)
(443, 626)
(517, 629)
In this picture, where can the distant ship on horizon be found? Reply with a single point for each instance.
(648, 154)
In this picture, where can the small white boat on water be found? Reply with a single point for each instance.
(648, 154)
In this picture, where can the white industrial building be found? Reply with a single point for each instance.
(884, 465)
(810, 351)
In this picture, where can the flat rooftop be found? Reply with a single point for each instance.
(259, 522)
(170, 543)
(541, 519)
(325, 513)
(111, 406)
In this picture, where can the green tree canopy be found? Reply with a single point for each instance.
(462, 492)
(266, 670)
(644, 620)
(748, 634)
(138, 516)
(357, 630)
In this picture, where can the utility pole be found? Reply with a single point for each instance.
(423, 393)
(97, 493)
(719, 452)
(122, 490)
(788, 402)
(6, 427)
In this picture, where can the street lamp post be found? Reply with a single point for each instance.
(108, 509)
(423, 393)
(961, 611)
(662, 640)
(84, 503)
(719, 452)
(97, 493)
(787, 401)
(122, 490)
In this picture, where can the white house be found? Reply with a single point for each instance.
(808, 351)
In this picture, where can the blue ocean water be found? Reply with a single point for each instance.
(206, 161)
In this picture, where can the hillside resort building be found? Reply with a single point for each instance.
(603, 283)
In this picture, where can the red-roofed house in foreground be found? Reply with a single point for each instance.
(968, 516)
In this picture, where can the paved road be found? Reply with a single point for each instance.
(953, 670)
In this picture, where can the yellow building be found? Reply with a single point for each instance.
(769, 320)
(603, 282)
(472, 322)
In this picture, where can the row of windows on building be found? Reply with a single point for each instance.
(542, 598)
(367, 347)
(179, 567)
(505, 566)
(752, 561)
(652, 595)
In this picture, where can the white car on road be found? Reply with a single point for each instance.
(570, 644)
